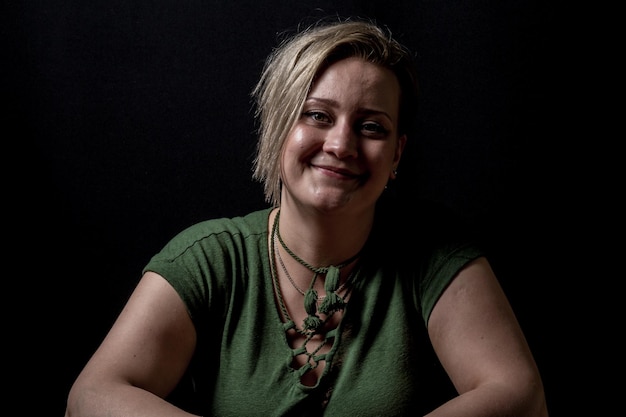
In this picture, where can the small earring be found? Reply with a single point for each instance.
(395, 172)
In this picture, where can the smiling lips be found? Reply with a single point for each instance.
(337, 172)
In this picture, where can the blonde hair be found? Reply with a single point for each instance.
(290, 70)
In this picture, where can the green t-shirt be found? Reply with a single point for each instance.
(242, 366)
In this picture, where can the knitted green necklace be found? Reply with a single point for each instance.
(331, 303)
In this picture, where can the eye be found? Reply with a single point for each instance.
(374, 128)
(317, 116)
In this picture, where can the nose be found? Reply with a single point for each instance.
(341, 140)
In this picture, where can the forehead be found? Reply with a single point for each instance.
(356, 81)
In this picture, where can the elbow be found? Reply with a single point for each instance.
(537, 400)
(530, 399)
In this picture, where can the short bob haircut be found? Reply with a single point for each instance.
(290, 70)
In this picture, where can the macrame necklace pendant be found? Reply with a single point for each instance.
(312, 321)
(333, 301)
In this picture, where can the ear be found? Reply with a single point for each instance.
(399, 149)
(396, 158)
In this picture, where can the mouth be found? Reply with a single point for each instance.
(337, 172)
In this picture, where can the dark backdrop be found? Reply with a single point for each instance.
(128, 121)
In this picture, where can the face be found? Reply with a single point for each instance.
(345, 145)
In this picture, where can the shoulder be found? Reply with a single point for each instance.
(212, 254)
(218, 237)
(225, 228)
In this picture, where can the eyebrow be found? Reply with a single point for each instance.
(334, 103)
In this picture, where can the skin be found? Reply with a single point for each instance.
(341, 153)
(140, 360)
(480, 344)
(334, 166)
(337, 160)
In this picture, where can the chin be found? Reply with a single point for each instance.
(336, 203)
(325, 204)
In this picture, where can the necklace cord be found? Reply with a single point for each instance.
(330, 303)
(293, 283)
(319, 270)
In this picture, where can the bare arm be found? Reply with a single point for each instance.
(481, 346)
(142, 358)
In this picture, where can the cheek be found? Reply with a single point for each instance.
(300, 142)
(297, 138)
(292, 150)
(381, 156)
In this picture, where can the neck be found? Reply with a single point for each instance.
(322, 239)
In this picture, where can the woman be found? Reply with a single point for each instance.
(313, 306)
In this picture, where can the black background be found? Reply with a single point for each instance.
(130, 120)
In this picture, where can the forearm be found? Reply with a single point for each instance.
(121, 400)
